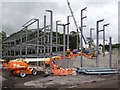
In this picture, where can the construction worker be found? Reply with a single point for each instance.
(75, 51)
(68, 52)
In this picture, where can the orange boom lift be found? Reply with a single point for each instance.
(20, 66)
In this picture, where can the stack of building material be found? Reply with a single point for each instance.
(97, 70)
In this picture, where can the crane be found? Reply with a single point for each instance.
(75, 21)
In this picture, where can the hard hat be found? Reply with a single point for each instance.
(68, 49)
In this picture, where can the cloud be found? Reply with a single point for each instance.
(15, 13)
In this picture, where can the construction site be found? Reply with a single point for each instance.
(43, 57)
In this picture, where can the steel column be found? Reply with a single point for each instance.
(104, 38)
(21, 45)
(82, 33)
(110, 52)
(97, 41)
(37, 41)
(68, 32)
(26, 42)
(51, 35)
(57, 35)
(44, 34)
(64, 41)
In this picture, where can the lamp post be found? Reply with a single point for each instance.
(104, 38)
(57, 34)
(97, 28)
(84, 9)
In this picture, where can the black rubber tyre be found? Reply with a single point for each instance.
(22, 73)
(34, 71)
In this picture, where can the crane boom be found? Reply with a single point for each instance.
(75, 20)
(73, 16)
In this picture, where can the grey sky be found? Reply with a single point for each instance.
(15, 14)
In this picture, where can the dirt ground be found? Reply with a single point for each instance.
(77, 81)
(12, 81)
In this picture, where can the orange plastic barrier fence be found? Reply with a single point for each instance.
(4, 65)
(62, 72)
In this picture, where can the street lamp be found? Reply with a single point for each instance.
(57, 34)
(84, 9)
(105, 25)
(97, 28)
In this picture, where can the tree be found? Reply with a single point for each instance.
(73, 40)
(73, 33)
(3, 35)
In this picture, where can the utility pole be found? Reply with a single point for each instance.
(57, 35)
(68, 31)
(97, 28)
(84, 9)
(104, 38)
